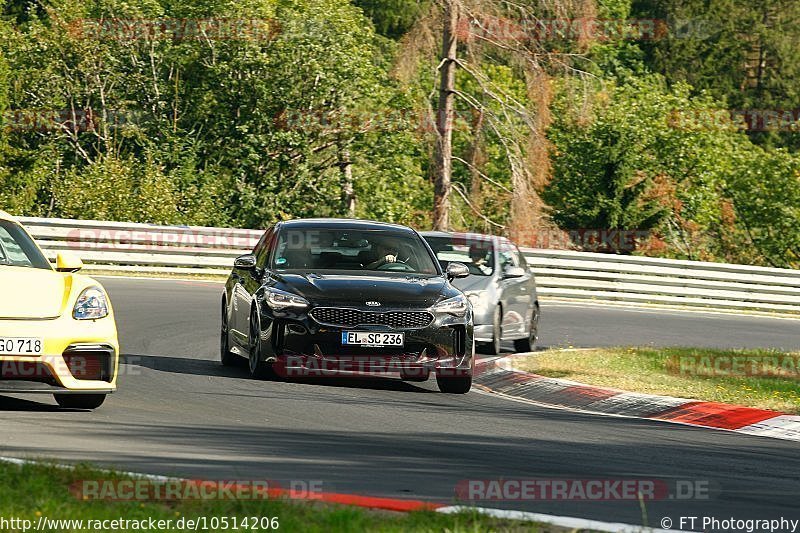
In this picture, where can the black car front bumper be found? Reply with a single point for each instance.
(298, 346)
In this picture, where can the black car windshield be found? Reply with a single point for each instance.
(477, 254)
(18, 249)
(358, 250)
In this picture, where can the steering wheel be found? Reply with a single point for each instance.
(395, 267)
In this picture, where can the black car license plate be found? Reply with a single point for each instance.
(372, 338)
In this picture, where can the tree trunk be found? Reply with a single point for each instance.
(348, 193)
(444, 120)
(475, 157)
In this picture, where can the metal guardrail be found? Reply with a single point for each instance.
(632, 279)
(143, 248)
(580, 276)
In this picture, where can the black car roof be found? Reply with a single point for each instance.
(342, 223)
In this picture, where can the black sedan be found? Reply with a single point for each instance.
(322, 297)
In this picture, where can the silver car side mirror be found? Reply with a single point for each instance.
(245, 262)
(457, 270)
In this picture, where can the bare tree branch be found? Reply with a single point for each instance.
(457, 188)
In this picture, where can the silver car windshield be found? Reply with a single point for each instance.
(477, 254)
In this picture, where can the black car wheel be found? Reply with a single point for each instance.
(527, 344)
(227, 357)
(80, 401)
(259, 369)
(454, 385)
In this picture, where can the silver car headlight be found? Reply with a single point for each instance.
(279, 300)
(90, 305)
(456, 306)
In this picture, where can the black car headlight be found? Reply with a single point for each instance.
(456, 306)
(279, 300)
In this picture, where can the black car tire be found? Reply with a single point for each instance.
(417, 375)
(227, 357)
(259, 369)
(454, 385)
(80, 401)
(527, 344)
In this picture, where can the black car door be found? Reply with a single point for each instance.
(247, 283)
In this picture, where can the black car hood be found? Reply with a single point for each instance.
(394, 290)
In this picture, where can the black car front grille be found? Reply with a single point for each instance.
(340, 317)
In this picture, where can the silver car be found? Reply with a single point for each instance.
(501, 287)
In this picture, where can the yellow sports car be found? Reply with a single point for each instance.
(57, 329)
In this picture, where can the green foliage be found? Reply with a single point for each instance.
(195, 129)
(766, 192)
(742, 52)
(704, 190)
(607, 166)
(114, 189)
(249, 129)
(393, 18)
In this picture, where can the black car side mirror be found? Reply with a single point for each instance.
(245, 262)
(513, 272)
(457, 270)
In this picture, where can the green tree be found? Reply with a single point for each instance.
(393, 18)
(741, 51)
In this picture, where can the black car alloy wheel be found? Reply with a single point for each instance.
(259, 369)
(227, 357)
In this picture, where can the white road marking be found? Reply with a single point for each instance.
(562, 521)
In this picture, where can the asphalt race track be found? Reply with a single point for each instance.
(179, 412)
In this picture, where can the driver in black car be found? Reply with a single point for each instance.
(386, 254)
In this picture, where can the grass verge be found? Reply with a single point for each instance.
(31, 491)
(765, 379)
